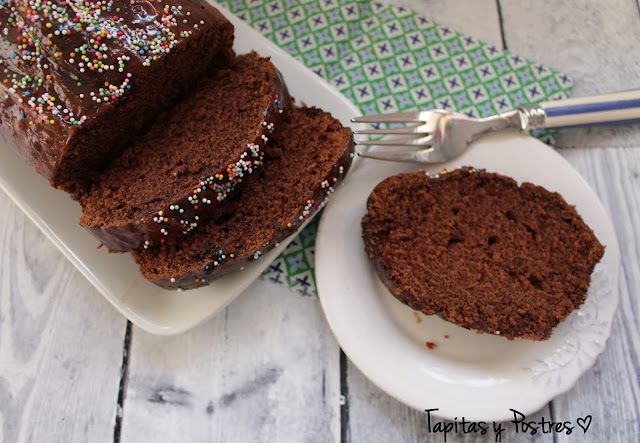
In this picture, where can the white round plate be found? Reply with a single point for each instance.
(478, 376)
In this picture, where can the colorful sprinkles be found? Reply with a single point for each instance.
(34, 31)
(436, 175)
(219, 185)
(305, 213)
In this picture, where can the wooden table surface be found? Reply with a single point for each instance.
(268, 368)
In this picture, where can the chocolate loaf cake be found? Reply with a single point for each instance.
(80, 78)
(193, 157)
(307, 158)
(480, 251)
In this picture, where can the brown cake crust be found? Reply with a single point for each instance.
(480, 251)
(174, 177)
(306, 160)
(80, 80)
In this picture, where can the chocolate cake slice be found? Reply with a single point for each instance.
(193, 157)
(308, 157)
(79, 79)
(480, 251)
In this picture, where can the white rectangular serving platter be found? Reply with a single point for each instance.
(156, 310)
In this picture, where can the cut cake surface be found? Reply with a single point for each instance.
(81, 78)
(307, 158)
(480, 251)
(192, 158)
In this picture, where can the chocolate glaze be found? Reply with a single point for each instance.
(151, 227)
(36, 65)
(321, 193)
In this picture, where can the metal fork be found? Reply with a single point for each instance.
(444, 135)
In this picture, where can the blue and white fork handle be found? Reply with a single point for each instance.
(607, 109)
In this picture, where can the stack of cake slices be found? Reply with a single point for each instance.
(80, 79)
(189, 156)
(219, 179)
(192, 158)
(307, 156)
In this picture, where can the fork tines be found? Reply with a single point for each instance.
(415, 135)
(417, 140)
(396, 117)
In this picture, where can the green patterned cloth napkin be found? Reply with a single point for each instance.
(387, 59)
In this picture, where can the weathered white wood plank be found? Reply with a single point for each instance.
(266, 369)
(594, 42)
(610, 391)
(376, 416)
(60, 342)
(478, 18)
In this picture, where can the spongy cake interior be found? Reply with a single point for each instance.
(480, 251)
(302, 154)
(200, 137)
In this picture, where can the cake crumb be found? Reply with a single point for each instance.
(472, 220)
(418, 319)
(446, 336)
(430, 344)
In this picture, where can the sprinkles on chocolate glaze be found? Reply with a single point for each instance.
(189, 173)
(305, 212)
(444, 171)
(35, 29)
(314, 150)
(219, 186)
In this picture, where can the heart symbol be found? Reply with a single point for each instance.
(584, 423)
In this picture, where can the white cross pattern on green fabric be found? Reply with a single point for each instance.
(387, 59)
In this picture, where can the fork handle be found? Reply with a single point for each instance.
(608, 109)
